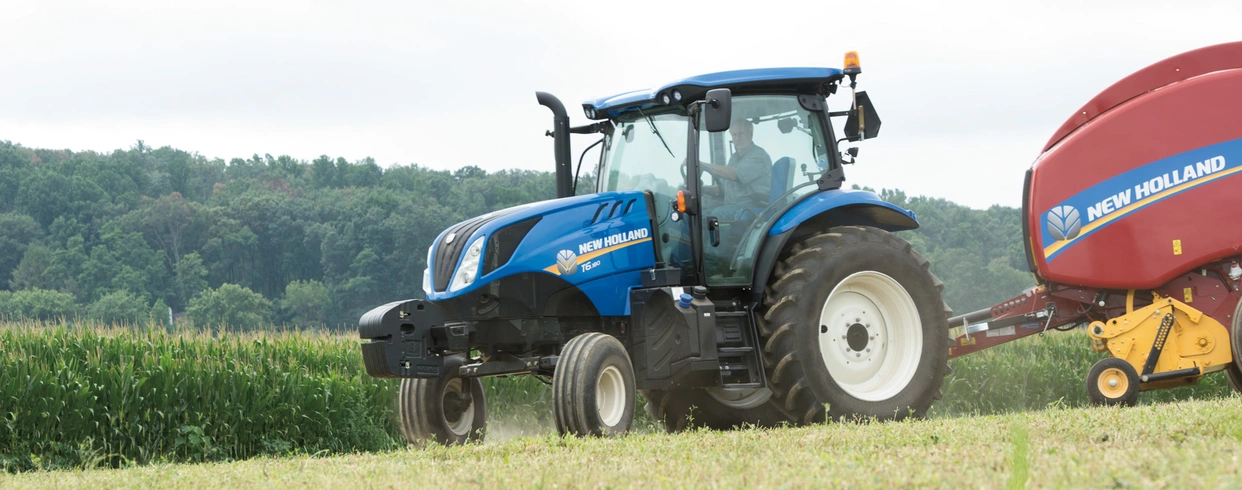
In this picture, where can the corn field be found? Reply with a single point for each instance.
(79, 395)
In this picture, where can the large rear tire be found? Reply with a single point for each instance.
(448, 410)
(854, 321)
(712, 408)
(593, 387)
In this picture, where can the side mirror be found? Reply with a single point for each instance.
(718, 109)
(852, 153)
(863, 122)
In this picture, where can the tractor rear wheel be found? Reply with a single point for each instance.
(712, 408)
(854, 322)
(448, 410)
(593, 387)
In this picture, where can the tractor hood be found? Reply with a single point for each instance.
(577, 239)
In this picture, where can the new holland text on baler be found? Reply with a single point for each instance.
(1131, 218)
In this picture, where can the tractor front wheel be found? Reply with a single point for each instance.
(854, 322)
(448, 410)
(593, 387)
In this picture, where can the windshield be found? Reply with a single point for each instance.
(645, 154)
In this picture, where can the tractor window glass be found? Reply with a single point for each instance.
(771, 155)
(646, 154)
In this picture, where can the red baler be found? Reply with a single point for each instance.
(1131, 225)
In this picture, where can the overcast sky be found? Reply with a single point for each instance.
(968, 91)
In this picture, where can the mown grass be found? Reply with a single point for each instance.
(1192, 444)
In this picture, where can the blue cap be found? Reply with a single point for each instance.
(685, 300)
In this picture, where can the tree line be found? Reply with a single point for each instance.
(129, 235)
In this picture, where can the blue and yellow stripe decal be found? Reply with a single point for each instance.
(1105, 203)
(582, 259)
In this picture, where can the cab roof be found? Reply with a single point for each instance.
(768, 80)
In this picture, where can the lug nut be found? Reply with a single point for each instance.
(868, 349)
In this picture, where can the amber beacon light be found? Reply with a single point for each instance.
(851, 65)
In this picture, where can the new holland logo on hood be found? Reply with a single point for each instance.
(567, 262)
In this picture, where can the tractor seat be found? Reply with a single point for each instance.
(781, 173)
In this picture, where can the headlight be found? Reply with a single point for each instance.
(469, 268)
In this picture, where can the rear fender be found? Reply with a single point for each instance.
(843, 208)
(820, 212)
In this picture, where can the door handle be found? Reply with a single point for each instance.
(713, 230)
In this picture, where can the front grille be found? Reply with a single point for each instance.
(446, 254)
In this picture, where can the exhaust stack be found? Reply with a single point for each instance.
(560, 136)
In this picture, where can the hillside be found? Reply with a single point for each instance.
(125, 236)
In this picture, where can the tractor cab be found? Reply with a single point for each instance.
(719, 186)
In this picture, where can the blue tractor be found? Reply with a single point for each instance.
(719, 268)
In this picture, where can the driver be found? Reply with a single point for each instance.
(745, 181)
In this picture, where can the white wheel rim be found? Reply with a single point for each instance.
(870, 336)
(740, 398)
(461, 424)
(610, 396)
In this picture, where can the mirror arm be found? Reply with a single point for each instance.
(838, 113)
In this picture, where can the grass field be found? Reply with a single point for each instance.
(1190, 444)
(1027, 390)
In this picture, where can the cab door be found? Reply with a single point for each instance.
(771, 157)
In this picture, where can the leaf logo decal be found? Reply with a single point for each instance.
(566, 262)
(1064, 223)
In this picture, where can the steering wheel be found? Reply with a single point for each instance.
(685, 168)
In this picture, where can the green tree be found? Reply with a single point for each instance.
(230, 307)
(43, 304)
(17, 232)
(29, 272)
(191, 278)
(306, 303)
(160, 313)
(119, 307)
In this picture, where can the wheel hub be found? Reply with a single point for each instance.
(856, 336)
(610, 396)
(457, 406)
(870, 336)
(1113, 383)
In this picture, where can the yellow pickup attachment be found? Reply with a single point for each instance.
(1189, 340)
